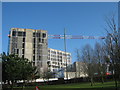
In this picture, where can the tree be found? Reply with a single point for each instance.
(16, 68)
(47, 75)
(99, 58)
(88, 60)
(113, 46)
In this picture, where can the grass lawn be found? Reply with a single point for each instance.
(82, 86)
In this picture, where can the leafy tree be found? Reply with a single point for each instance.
(47, 75)
(16, 68)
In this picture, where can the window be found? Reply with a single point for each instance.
(43, 35)
(39, 57)
(24, 33)
(23, 51)
(17, 51)
(23, 45)
(34, 40)
(14, 33)
(33, 45)
(33, 51)
(19, 33)
(33, 58)
(42, 40)
(23, 39)
(38, 35)
(39, 39)
(34, 34)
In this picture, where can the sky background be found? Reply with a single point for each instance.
(87, 19)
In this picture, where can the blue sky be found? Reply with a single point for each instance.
(78, 18)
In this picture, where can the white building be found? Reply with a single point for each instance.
(58, 59)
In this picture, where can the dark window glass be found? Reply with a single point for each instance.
(24, 33)
(33, 51)
(42, 40)
(33, 58)
(39, 57)
(19, 33)
(17, 51)
(34, 34)
(33, 40)
(37, 34)
(33, 45)
(44, 35)
(39, 39)
(23, 45)
(23, 39)
(14, 33)
(23, 51)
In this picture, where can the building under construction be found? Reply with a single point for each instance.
(33, 45)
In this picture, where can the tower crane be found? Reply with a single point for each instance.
(74, 37)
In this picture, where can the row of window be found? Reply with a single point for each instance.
(58, 53)
(39, 40)
(39, 58)
(16, 51)
(38, 34)
(21, 33)
(18, 33)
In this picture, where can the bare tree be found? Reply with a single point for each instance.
(99, 58)
(112, 46)
(88, 59)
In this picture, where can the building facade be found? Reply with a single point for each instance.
(58, 59)
(76, 70)
(33, 45)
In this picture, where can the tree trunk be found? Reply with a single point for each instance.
(23, 84)
(102, 79)
(12, 85)
(116, 85)
(91, 80)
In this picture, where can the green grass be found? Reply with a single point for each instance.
(81, 85)
(105, 86)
